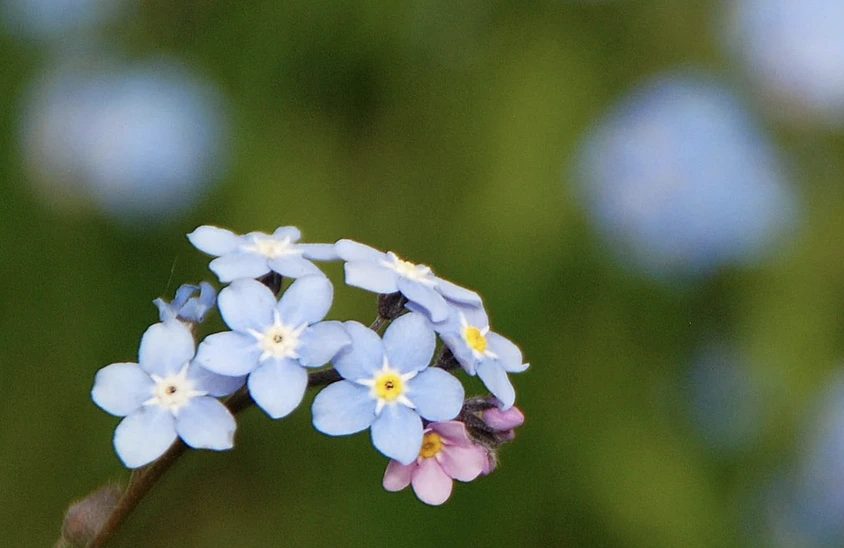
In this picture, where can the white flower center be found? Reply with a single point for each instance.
(272, 248)
(174, 391)
(279, 340)
(388, 387)
(416, 272)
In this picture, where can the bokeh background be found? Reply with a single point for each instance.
(647, 194)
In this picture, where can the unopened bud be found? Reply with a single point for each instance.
(84, 519)
(503, 421)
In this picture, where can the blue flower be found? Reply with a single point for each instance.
(680, 180)
(273, 342)
(388, 387)
(380, 272)
(185, 306)
(163, 396)
(794, 51)
(256, 253)
(482, 352)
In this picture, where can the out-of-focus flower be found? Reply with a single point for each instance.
(57, 20)
(185, 306)
(388, 386)
(680, 180)
(142, 143)
(480, 351)
(794, 51)
(273, 342)
(447, 454)
(256, 253)
(386, 273)
(726, 401)
(163, 396)
(815, 507)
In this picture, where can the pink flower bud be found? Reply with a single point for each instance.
(503, 421)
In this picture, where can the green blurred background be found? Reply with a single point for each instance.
(444, 131)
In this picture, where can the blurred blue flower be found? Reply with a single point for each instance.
(794, 50)
(386, 273)
(817, 508)
(273, 342)
(163, 396)
(143, 143)
(388, 387)
(679, 179)
(57, 20)
(256, 253)
(185, 306)
(481, 352)
(726, 400)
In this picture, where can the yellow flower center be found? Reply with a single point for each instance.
(475, 339)
(389, 387)
(432, 443)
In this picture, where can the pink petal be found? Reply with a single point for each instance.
(397, 475)
(430, 483)
(454, 432)
(462, 463)
(500, 420)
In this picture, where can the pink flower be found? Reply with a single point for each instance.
(447, 454)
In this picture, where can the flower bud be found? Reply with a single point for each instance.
(84, 519)
(503, 421)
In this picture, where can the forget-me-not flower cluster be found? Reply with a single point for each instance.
(278, 343)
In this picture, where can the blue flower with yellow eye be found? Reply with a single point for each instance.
(386, 273)
(388, 388)
(481, 352)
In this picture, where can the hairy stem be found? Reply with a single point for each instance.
(143, 479)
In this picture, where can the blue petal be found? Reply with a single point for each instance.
(121, 388)
(214, 384)
(458, 294)
(372, 277)
(509, 355)
(247, 304)
(294, 266)
(241, 264)
(343, 408)
(397, 433)
(437, 395)
(182, 295)
(319, 252)
(165, 348)
(306, 301)
(214, 241)
(229, 353)
(363, 357)
(409, 343)
(290, 232)
(321, 342)
(461, 351)
(205, 423)
(475, 315)
(350, 250)
(194, 309)
(496, 381)
(144, 436)
(277, 386)
(431, 302)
